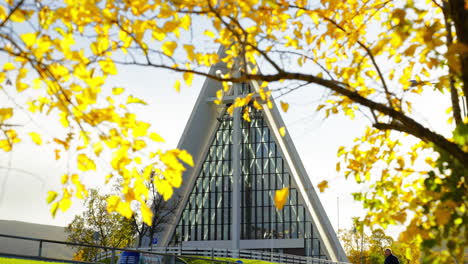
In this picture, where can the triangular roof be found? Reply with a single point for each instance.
(198, 135)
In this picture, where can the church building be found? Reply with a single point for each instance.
(227, 199)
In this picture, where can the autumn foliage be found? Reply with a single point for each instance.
(374, 59)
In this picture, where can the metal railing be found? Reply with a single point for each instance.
(171, 253)
(243, 254)
(110, 256)
(41, 242)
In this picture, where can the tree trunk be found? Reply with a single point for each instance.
(460, 18)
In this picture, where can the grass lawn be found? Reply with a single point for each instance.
(24, 261)
(208, 260)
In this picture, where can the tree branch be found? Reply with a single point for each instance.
(20, 3)
(411, 126)
(453, 90)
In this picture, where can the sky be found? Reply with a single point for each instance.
(28, 173)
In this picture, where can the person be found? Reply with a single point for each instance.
(390, 258)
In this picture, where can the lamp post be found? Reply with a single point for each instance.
(362, 242)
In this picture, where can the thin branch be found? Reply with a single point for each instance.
(265, 55)
(290, 90)
(20, 3)
(411, 126)
(437, 4)
(307, 57)
(368, 51)
(371, 56)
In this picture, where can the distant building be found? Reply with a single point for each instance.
(36, 231)
(227, 198)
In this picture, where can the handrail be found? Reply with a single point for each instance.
(177, 251)
(112, 249)
(56, 241)
(249, 254)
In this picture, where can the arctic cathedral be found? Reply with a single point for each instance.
(227, 198)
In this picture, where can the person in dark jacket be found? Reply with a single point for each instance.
(390, 258)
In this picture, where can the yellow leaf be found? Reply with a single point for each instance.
(155, 137)
(112, 203)
(147, 214)
(64, 178)
(169, 47)
(5, 145)
(314, 16)
(442, 216)
(177, 86)
(281, 197)
(246, 114)
(36, 138)
(21, 86)
(284, 106)
(97, 148)
(322, 186)
(410, 50)
(341, 151)
(13, 136)
(408, 253)
(134, 100)
(57, 154)
(53, 209)
(64, 119)
(209, 34)
(51, 195)
(148, 172)
(138, 160)
(108, 177)
(124, 209)
(282, 131)
(129, 194)
(158, 35)
(164, 188)
(188, 78)
(108, 67)
(37, 83)
(20, 15)
(3, 13)
(269, 104)
(400, 217)
(117, 90)
(190, 53)
(5, 113)
(100, 46)
(8, 66)
(141, 129)
(257, 105)
(29, 39)
(185, 22)
(85, 163)
(185, 157)
(64, 204)
(138, 145)
(2, 77)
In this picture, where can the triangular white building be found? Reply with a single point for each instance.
(227, 198)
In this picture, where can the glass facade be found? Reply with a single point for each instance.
(207, 214)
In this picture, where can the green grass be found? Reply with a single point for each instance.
(208, 260)
(24, 261)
